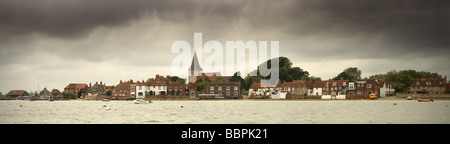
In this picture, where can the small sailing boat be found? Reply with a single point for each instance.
(431, 100)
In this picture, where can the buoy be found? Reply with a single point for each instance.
(395, 103)
(181, 106)
(20, 105)
(446, 105)
(104, 105)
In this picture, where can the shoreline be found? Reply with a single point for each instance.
(391, 98)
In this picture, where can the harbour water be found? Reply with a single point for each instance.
(226, 112)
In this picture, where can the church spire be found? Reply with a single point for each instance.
(195, 66)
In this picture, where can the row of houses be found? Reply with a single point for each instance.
(346, 89)
(222, 88)
(339, 89)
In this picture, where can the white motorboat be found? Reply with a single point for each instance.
(141, 101)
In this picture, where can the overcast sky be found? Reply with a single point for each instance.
(52, 43)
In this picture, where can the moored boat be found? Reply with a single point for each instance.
(431, 100)
(141, 101)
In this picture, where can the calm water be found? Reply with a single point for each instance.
(225, 112)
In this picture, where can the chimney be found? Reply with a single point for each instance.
(100, 82)
(120, 81)
(168, 76)
(90, 84)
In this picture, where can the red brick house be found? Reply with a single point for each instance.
(225, 89)
(429, 86)
(334, 87)
(124, 90)
(192, 91)
(78, 88)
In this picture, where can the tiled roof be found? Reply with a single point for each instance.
(224, 84)
(429, 82)
(76, 86)
(16, 92)
(55, 91)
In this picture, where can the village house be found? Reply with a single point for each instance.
(386, 88)
(125, 90)
(13, 94)
(97, 88)
(256, 89)
(315, 88)
(294, 89)
(78, 88)
(192, 91)
(334, 89)
(55, 93)
(428, 86)
(225, 89)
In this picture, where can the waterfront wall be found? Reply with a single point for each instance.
(356, 96)
(425, 96)
(162, 97)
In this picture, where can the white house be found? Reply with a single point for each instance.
(386, 89)
(256, 89)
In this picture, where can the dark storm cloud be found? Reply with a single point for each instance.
(399, 26)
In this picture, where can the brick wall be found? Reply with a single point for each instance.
(162, 97)
(356, 96)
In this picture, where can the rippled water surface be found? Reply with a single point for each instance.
(226, 112)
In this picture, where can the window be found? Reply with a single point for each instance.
(211, 88)
(369, 85)
(334, 84)
(220, 88)
(351, 86)
(418, 82)
(140, 94)
(133, 86)
(235, 88)
(140, 87)
(228, 93)
(440, 82)
(235, 93)
(344, 83)
(428, 82)
(228, 87)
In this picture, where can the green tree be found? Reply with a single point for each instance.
(69, 95)
(44, 92)
(351, 73)
(286, 72)
(402, 80)
(202, 83)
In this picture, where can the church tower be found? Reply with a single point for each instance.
(195, 69)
